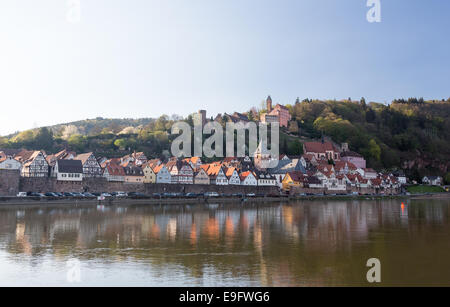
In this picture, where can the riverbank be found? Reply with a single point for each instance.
(18, 201)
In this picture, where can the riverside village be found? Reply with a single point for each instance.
(324, 168)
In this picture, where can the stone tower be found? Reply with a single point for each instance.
(202, 114)
(269, 104)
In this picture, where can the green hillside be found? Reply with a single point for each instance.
(412, 133)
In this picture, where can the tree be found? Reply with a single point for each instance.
(374, 150)
(44, 139)
(447, 178)
(371, 116)
(77, 142)
(363, 103)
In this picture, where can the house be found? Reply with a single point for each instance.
(149, 174)
(139, 158)
(344, 167)
(323, 149)
(68, 170)
(285, 166)
(369, 173)
(432, 180)
(400, 176)
(376, 183)
(91, 167)
(353, 157)
(335, 182)
(114, 172)
(248, 178)
(309, 160)
(133, 174)
(277, 114)
(194, 162)
(185, 173)
(201, 177)
(34, 165)
(312, 182)
(268, 119)
(62, 155)
(233, 176)
(154, 162)
(136, 158)
(7, 162)
(293, 179)
(236, 118)
(217, 174)
(173, 166)
(265, 179)
(162, 174)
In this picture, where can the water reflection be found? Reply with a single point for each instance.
(279, 244)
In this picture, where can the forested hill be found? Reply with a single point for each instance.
(411, 133)
(91, 127)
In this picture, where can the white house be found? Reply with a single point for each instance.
(114, 172)
(221, 178)
(265, 179)
(432, 180)
(162, 174)
(247, 178)
(7, 162)
(69, 170)
(186, 174)
(233, 176)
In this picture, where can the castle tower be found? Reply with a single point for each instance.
(269, 104)
(202, 114)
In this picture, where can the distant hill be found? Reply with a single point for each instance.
(96, 126)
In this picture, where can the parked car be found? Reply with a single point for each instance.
(88, 195)
(137, 195)
(191, 195)
(67, 194)
(105, 194)
(121, 194)
(156, 195)
(251, 195)
(35, 194)
(77, 194)
(211, 194)
(22, 194)
(51, 194)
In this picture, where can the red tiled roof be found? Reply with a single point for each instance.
(319, 147)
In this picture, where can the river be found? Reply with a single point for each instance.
(303, 243)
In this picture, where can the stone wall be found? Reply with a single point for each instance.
(43, 185)
(9, 182)
(298, 190)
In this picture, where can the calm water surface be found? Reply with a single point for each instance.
(306, 243)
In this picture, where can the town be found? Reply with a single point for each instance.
(324, 168)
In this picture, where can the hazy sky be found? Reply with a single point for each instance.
(144, 58)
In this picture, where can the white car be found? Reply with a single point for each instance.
(121, 194)
(22, 194)
(212, 194)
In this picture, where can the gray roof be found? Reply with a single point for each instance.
(286, 166)
(70, 166)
